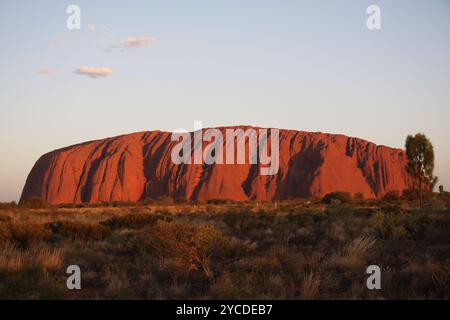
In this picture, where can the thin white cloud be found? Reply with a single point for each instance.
(46, 71)
(131, 42)
(93, 72)
(126, 43)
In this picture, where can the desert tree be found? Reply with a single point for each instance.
(420, 167)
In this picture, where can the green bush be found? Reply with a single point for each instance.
(5, 231)
(434, 204)
(79, 230)
(166, 200)
(359, 196)
(237, 221)
(8, 205)
(121, 204)
(392, 195)
(340, 196)
(390, 225)
(130, 221)
(148, 201)
(32, 283)
(416, 224)
(34, 203)
(219, 201)
(27, 233)
(410, 194)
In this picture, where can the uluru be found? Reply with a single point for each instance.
(137, 166)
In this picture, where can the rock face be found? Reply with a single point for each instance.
(137, 166)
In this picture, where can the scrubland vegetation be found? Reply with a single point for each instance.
(296, 249)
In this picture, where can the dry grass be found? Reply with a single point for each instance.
(49, 259)
(351, 256)
(11, 259)
(14, 259)
(193, 247)
(311, 285)
(359, 247)
(284, 250)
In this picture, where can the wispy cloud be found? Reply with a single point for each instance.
(93, 72)
(127, 43)
(46, 71)
(136, 41)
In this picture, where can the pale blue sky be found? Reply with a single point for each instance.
(307, 65)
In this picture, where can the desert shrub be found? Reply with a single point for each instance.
(5, 231)
(121, 204)
(416, 224)
(29, 232)
(341, 196)
(5, 218)
(303, 237)
(131, 221)
(237, 222)
(148, 201)
(339, 211)
(79, 230)
(434, 204)
(266, 217)
(224, 288)
(337, 231)
(68, 205)
(247, 286)
(34, 203)
(166, 200)
(437, 232)
(392, 208)
(424, 277)
(302, 219)
(359, 196)
(194, 247)
(410, 194)
(446, 199)
(8, 205)
(219, 201)
(32, 283)
(383, 224)
(392, 195)
(372, 202)
(117, 284)
(399, 225)
(180, 200)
